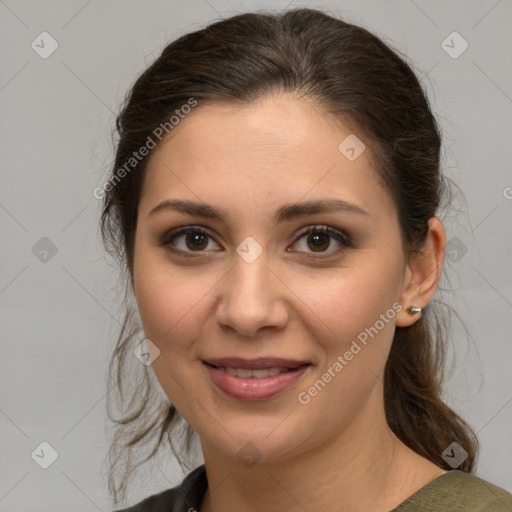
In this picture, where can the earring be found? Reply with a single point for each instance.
(414, 309)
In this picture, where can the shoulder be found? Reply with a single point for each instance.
(476, 493)
(182, 498)
(458, 490)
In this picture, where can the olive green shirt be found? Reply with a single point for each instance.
(455, 491)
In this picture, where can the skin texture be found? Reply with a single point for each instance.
(335, 452)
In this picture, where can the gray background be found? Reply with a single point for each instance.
(59, 311)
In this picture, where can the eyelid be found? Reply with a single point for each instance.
(322, 228)
(184, 230)
(342, 238)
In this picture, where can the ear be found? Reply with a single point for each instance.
(422, 273)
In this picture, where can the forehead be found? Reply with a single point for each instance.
(277, 146)
(272, 124)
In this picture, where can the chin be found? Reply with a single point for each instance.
(252, 438)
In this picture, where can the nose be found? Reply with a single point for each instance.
(252, 298)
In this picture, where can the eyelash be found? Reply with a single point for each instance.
(342, 238)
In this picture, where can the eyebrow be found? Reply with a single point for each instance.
(284, 213)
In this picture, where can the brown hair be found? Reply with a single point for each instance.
(352, 74)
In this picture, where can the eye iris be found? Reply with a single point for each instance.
(196, 238)
(316, 238)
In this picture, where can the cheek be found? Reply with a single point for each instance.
(168, 302)
(357, 311)
(171, 308)
(351, 300)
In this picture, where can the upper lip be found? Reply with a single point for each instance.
(255, 364)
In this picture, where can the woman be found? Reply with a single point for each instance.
(273, 202)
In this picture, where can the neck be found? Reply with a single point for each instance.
(367, 468)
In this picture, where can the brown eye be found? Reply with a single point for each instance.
(319, 239)
(196, 241)
(188, 240)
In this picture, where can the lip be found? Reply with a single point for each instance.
(255, 364)
(255, 388)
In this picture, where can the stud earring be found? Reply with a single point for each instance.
(414, 309)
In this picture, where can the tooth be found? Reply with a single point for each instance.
(259, 374)
(244, 373)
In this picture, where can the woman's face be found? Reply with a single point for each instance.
(316, 310)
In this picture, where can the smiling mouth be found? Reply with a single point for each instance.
(255, 379)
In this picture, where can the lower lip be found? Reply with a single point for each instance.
(253, 388)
